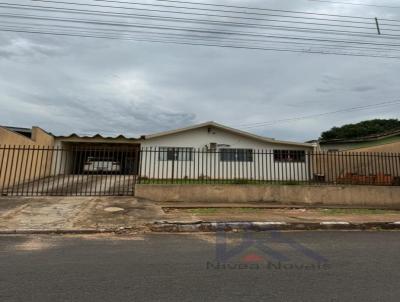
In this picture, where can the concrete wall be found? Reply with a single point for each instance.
(327, 195)
(23, 159)
(209, 165)
(334, 166)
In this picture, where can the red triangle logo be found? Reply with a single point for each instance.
(253, 257)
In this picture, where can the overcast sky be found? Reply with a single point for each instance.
(88, 86)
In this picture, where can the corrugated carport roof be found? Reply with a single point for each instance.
(74, 137)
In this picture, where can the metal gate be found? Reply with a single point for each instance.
(68, 171)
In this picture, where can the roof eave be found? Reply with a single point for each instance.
(236, 131)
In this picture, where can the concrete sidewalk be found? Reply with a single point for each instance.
(109, 214)
(76, 213)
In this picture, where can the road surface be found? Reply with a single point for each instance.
(356, 266)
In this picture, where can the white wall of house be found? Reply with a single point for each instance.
(208, 164)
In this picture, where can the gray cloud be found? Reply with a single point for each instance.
(88, 86)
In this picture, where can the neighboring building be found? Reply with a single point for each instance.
(17, 136)
(223, 151)
(15, 163)
(384, 142)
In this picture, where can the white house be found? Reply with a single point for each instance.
(214, 151)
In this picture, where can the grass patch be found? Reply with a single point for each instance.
(356, 212)
(147, 181)
(203, 211)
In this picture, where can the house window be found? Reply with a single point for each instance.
(289, 155)
(175, 153)
(243, 155)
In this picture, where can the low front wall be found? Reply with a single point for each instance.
(296, 194)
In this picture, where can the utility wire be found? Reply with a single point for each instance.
(351, 109)
(371, 23)
(227, 23)
(202, 35)
(161, 34)
(307, 38)
(276, 27)
(353, 3)
(71, 34)
(267, 9)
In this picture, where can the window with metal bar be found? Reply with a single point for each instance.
(289, 155)
(236, 155)
(175, 153)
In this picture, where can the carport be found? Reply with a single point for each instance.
(73, 155)
(71, 165)
(79, 149)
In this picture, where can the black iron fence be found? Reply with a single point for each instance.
(71, 170)
(89, 171)
(248, 166)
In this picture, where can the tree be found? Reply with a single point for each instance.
(365, 128)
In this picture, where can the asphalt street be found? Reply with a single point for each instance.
(288, 266)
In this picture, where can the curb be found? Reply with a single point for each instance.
(231, 226)
(58, 231)
(200, 226)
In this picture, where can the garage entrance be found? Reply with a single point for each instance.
(74, 169)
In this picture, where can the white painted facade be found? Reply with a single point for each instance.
(209, 139)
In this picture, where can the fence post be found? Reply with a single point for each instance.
(173, 165)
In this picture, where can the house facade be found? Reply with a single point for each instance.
(211, 150)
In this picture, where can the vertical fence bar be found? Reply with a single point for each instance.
(11, 169)
(117, 174)
(3, 186)
(219, 166)
(3, 151)
(139, 162)
(125, 185)
(19, 168)
(38, 169)
(153, 163)
(70, 167)
(78, 155)
(393, 168)
(49, 164)
(25, 181)
(35, 158)
(58, 168)
(53, 172)
(387, 169)
(376, 166)
(103, 173)
(85, 173)
(42, 178)
(144, 163)
(214, 152)
(63, 169)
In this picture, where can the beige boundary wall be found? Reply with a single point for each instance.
(23, 164)
(313, 195)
